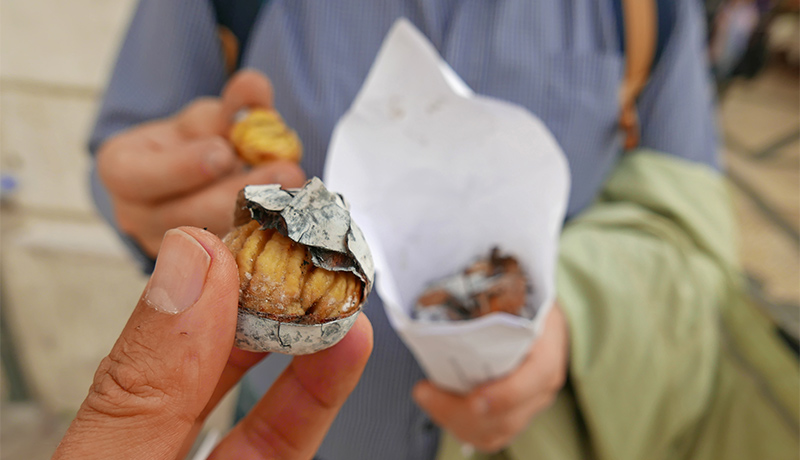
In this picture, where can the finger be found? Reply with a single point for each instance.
(456, 413)
(239, 362)
(148, 391)
(470, 422)
(155, 172)
(445, 408)
(498, 432)
(287, 174)
(541, 374)
(505, 394)
(211, 207)
(291, 420)
(247, 88)
(137, 220)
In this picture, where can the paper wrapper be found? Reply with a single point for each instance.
(437, 176)
(318, 219)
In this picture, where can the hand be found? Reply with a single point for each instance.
(174, 362)
(490, 416)
(182, 170)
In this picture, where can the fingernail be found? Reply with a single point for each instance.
(218, 157)
(179, 275)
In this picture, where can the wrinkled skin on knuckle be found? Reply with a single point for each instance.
(131, 381)
(120, 391)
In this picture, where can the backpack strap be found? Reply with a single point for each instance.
(640, 28)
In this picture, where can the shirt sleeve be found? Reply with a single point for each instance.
(676, 108)
(170, 56)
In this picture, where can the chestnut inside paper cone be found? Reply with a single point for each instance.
(493, 284)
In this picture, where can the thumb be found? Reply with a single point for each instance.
(163, 369)
(246, 89)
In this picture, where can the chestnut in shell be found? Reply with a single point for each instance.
(305, 269)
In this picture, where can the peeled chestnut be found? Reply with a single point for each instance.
(278, 278)
(260, 135)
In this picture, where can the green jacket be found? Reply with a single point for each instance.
(669, 358)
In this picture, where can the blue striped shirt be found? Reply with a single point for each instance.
(560, 59)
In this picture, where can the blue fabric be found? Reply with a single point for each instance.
(238, 16)
(665, 17)
(560, 59)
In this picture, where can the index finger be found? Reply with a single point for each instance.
(140, 171)
(170, 156)
(291, 420)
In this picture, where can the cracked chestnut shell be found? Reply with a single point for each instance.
(304, 268)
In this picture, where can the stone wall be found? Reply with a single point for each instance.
(68, 285)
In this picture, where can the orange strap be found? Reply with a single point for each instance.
(230, 48)
(640, 44)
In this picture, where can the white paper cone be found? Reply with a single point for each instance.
(436, 177)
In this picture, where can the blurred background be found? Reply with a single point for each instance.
(67, 285)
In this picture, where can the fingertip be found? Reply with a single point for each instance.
(422, 393)
(246, 88)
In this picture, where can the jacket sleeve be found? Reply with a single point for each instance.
(642, 276)
(171, 55)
